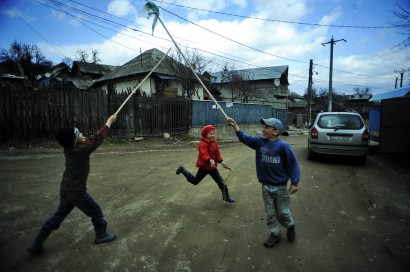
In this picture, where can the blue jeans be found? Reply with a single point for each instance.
(277, 201)
(84, 202)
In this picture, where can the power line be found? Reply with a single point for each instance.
(277, 21)
(21, 18)
(242, 44)
(130, 28)
(133, 29)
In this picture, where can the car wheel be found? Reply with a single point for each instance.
(362, 159)
(311, 155)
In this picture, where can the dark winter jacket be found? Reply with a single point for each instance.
(77, 162)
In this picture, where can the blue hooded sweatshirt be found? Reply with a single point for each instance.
(275, 161)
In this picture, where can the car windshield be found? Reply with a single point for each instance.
(340, 121)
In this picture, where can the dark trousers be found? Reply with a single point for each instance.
(84, 202)
(202, 173)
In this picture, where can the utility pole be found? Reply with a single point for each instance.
(332, 42)
(401, 76)
(310, 92)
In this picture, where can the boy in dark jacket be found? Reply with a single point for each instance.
(208, 159)
(73, 186)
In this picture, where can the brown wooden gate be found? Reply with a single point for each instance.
(150, 116)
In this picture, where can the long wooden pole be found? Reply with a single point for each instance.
(192, 69)
(136, 88)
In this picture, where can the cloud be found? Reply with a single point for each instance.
(249, 43)
(120, 8)
(18, 14)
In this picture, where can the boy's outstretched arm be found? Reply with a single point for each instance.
(231, 122)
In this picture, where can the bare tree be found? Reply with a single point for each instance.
(96, 59)
(362, 91)
(68, 61)
(81, 55)
(239, 83)
(183, 74)
(24, 59)
(403, 25)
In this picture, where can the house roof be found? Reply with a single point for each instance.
(10, 76)
(392, 94)
(82, 84)
(297, 103)
(61, 67)
(93, 68)
(262, 73)
(139, 65)
(360, 97)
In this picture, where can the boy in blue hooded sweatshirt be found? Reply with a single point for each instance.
(275, 165)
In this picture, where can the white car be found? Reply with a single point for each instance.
(338, 133)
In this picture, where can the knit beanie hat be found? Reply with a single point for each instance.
(67, 136)
(206, 130)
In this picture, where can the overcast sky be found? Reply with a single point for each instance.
(238, 33)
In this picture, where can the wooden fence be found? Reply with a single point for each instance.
(28, 115)
(150, 116)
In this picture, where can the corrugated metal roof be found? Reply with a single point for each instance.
(391, 94)
(139, 65)
(262, 73)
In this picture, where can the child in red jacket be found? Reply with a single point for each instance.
(208, 159)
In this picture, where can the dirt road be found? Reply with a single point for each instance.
(348, 217)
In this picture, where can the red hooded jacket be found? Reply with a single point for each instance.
(208, 150)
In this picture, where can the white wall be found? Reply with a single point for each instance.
(269, 91)
(148, 86)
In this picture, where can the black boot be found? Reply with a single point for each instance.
(101, 235)
(225, 193)
(37, 245)
(189, 177)
(180, 169)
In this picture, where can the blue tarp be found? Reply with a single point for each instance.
(391, 94)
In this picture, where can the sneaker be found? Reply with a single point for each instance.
(291, 234)
(108, 237)
(179, 170)
(272, 240)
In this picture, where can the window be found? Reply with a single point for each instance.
(340, 121)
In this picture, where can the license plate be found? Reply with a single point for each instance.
(340, 138)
